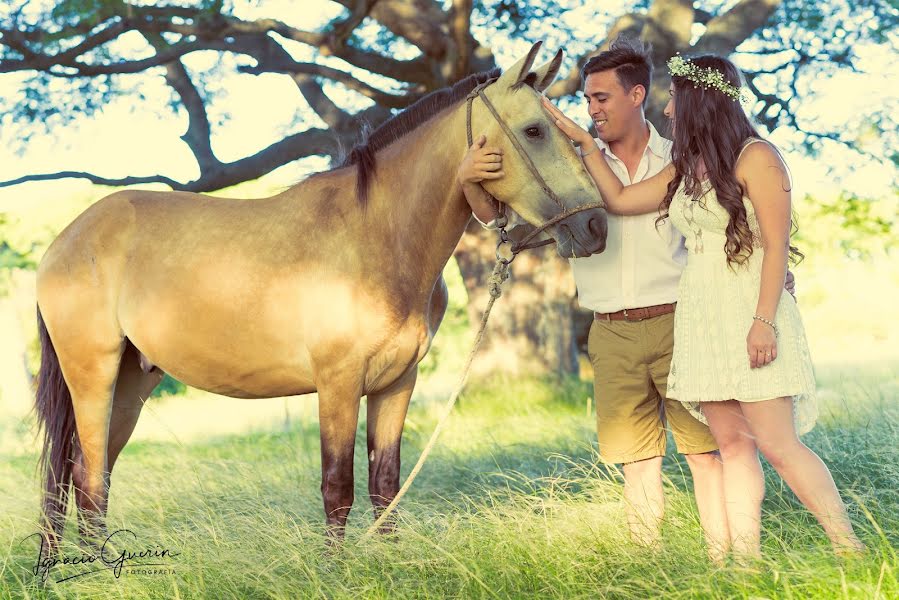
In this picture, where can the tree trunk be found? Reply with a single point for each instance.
(531, 328)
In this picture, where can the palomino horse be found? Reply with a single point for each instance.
(332, 286)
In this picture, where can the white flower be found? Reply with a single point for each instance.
(705, 77)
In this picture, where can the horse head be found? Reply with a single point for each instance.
(534, 149)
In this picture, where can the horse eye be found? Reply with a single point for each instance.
(532, 132)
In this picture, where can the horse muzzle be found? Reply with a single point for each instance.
(582, 234)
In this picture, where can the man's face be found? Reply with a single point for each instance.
(612, 108)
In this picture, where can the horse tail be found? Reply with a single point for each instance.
(56, 417)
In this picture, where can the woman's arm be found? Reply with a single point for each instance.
(764, 177)
(636, 199)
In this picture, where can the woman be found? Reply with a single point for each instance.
(741, 361)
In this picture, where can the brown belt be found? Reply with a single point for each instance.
(636, 314)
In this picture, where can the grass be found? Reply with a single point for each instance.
(512, 503)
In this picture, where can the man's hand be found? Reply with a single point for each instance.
(480, 163)
(576, 133)
(790, 283)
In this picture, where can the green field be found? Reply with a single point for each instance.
(512, 503)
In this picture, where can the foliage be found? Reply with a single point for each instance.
(11, 256)
(857, 227)
(820, 40)
(514, 17)
(169, 386)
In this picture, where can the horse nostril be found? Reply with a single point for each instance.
(598, 230)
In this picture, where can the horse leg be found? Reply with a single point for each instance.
(133, 387)
(91, 378)
(386, 417)
(338, 403)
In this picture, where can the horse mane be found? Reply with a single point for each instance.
(363, 154)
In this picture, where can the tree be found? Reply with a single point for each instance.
(387, 54)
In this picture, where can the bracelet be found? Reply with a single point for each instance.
(766, 322)
(589, 152)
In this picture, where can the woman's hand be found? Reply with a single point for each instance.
(480, 163)
(761, 344)
(576, 133)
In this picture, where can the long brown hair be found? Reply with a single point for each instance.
(710, 128)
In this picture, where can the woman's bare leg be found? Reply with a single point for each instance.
(772, 423)
(744, 482)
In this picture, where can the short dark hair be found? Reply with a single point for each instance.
(630, 58)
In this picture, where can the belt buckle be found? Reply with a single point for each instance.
(628, 319)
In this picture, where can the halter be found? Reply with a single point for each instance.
(502, 221)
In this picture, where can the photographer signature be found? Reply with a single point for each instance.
(106, 559)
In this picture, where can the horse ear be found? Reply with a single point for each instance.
(547, 73)
(517, 72)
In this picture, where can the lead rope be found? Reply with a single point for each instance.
(494, 282)
(494, 286)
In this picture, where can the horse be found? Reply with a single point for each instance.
(332, 286)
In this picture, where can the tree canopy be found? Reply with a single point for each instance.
(75, 57)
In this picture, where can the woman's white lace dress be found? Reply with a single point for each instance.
(714, 313)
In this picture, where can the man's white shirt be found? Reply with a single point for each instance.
(641, 265)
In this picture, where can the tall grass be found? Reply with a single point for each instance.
(512, 503)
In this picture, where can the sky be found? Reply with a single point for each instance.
(124, 140)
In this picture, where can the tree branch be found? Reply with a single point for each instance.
(122, 181)
(311, 142)
(770, 100)
(702, 16)
(417, 70)
(630, 25)
(668, 26)
(125, 67)
(206, 33)
(342, 30)
(334, 116)
(382, 98)
(460, 30)
(198, 136)
(724, 33)
(34, 60)
(91, 42)
(422, 22)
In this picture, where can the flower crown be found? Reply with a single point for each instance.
(706, 77)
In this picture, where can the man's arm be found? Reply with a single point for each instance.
(639, 198)
(480, 163)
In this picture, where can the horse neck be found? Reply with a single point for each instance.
(415, 200)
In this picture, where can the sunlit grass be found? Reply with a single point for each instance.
(512, 503)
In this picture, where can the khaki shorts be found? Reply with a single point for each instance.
(630, 369)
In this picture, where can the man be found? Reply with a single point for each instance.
(632, 289)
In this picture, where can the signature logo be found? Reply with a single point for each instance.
(108, 557)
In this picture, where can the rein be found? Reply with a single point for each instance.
(503, 221)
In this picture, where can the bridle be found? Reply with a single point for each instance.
(502, 220)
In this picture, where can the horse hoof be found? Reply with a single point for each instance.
(334, 537)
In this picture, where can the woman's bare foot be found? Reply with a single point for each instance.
(849, 547)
